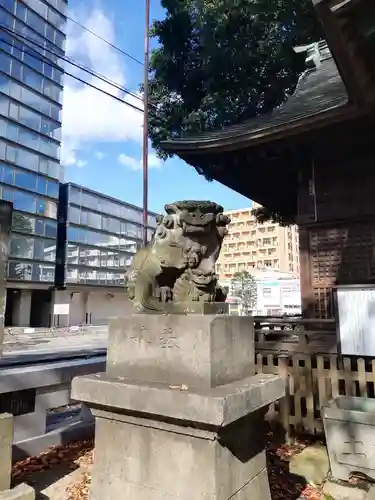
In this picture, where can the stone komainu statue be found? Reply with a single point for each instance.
(178, 266)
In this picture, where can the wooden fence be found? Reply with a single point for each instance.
(305, 355)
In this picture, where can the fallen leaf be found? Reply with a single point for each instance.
(182, 387)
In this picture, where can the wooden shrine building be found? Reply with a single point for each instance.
(313, 158)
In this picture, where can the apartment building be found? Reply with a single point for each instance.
(250, 245)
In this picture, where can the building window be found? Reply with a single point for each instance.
(27, 247)
(44, 250)
(25, 180)
(95, 220)
(27, 271)
(21, 247)
(22, 223)
(23, 201)
(20, 271)
(46, 208)
(50, 228)
(29, 203)
(8, 5)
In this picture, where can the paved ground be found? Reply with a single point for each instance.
(24, 343)
(59, 479)
(55, 483)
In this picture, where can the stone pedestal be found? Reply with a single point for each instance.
(349, 425)
(23, 491)
(194, 350)
(179, 413)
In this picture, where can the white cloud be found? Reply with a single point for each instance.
(69, 157)
(99, 155)
(129, 161)
(88, 115)
(134, 164)
(154, 161)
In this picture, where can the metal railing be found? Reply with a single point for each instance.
(285, 333)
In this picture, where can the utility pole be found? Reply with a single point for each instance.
(145, 124)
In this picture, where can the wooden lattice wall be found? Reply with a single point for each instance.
(337, 232)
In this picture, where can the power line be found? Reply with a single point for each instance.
(44, 59)
(105, 41)
(71, 61)
(100, 38)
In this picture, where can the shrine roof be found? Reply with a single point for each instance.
(320, 91)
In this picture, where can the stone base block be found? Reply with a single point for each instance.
(194, 350)
(349, 425)
(20, 492)
(256, 489)
(159, 442)
(6, 442)
(371, 493)
(216, 407)
(151, 460)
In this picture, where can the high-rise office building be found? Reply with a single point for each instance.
(31, 40)
(98, 236)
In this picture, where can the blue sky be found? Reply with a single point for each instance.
(101, 136)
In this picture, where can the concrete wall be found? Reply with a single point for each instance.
(92, 307)
(103, 305)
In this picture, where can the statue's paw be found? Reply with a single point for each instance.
(166, 294)
(193, 260)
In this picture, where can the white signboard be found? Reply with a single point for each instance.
(356, 320)
(271, 294)
(61, 309)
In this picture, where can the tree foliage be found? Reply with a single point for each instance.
(220, 62)
(244, 286)
(262, 215)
